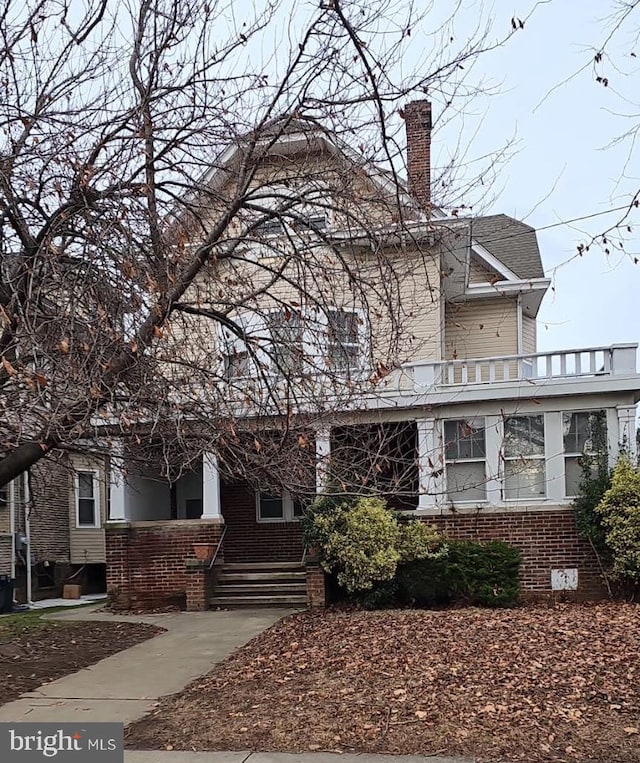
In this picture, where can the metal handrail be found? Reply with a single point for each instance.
(218, 547)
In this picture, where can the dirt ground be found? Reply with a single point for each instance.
(35, 651)
(555, 683)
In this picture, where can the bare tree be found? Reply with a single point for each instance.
(614, 66)
(149, 261)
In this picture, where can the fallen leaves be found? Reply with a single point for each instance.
(534, 684)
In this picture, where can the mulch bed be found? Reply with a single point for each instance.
(34, 652)
(555, 683)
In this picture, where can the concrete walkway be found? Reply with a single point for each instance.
(126, 686)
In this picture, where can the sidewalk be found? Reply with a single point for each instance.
(126, 686)
(131, 756)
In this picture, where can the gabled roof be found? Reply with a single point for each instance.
(510, 241)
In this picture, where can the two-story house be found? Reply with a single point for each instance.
(352, 335)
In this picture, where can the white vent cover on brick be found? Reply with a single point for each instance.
(564, 580)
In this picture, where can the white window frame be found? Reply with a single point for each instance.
(574, 455)
(287, 509)
(515, 459)
(97, 507)
(472, 460)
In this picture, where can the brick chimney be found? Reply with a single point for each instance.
(417, 117)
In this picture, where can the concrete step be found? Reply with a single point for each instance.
(261, 566)
(280, 600)
(259, 589)
(266, 577)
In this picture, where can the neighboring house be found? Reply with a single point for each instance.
(487, 432)
(60, 505)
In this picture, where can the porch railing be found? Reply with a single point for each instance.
(218, 547)
(539, 366)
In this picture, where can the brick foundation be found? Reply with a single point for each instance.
(146, 561)
(547, 539)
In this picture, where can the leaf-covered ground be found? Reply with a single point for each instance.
(536, 684)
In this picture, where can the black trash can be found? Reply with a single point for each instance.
(6, 594)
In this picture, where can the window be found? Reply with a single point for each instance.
(270, 227)
(584, 433)
(343, 343)
(4, 497)
(523, 453)
(465, 460)
(315, 221)
(87, 500)
(286, 336)
(236, 364)
(278, 508)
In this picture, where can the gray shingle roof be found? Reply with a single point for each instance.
(510, 241)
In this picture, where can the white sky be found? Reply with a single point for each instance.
(563, 168)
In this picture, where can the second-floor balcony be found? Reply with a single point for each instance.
(596, 369)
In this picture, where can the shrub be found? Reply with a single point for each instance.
(620, 513)
(484, 574)
(362, 544)
(361, 541)
(419, 541)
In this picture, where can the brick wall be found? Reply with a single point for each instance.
(547, 539)
(248, 540)
(146, 560)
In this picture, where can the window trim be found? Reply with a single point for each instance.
(97, 502)
(447, 461)
(287, 509)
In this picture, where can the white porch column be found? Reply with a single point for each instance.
(323, 454)
(430, 465)
(117, 483)
(210, 487)
(627, 429)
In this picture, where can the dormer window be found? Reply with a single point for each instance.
(313, 222)
(271, 227)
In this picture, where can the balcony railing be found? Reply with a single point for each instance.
(535, 367)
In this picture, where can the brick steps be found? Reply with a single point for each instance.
(262, 584)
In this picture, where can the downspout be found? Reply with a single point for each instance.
(27, 531)
(12, 526)
(520, 338)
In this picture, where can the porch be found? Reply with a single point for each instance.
(484, 448)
